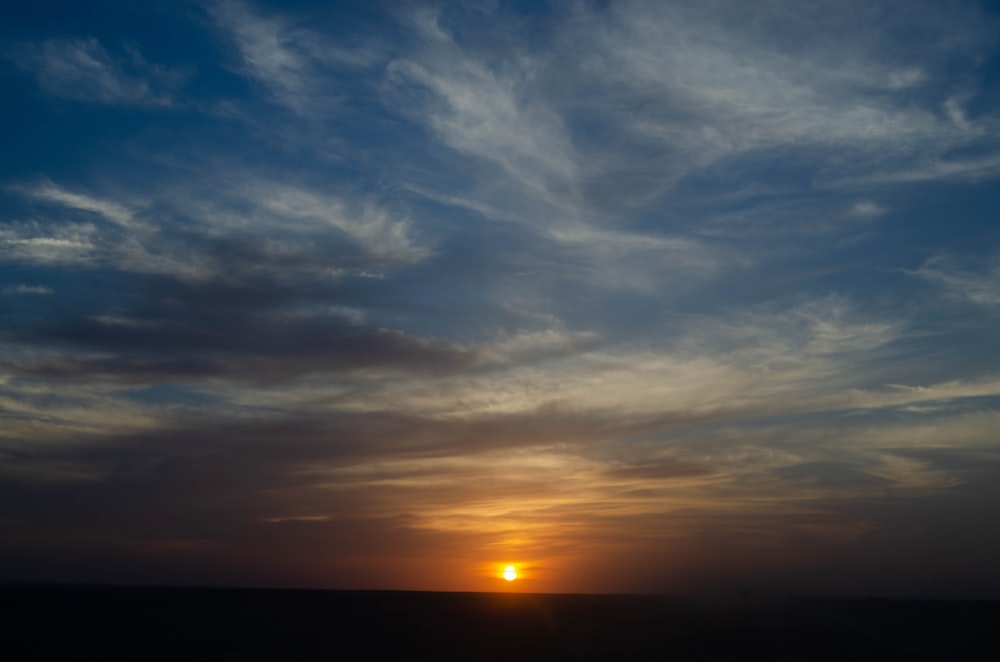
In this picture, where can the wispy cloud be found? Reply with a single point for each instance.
(867, 209)
(734, 87)
(21, 288)
(286, 57)
(486, 113)
(51, 245)
(376, 231)
(83, 70)
(634, 130)
(273, 230)
(701, 89)
(108, 209)
(980, 286)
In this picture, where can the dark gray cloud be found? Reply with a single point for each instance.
(830, 475)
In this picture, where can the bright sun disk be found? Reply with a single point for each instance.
(510, 573)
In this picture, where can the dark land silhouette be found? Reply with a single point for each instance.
(66, 622)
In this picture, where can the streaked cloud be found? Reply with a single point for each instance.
(286, 57)
(106, 209)
(979, 286)
(53, 245)
(22, 288)
(82, 69)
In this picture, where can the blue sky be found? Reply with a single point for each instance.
(641, 296)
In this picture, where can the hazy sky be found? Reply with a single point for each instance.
(639, 296)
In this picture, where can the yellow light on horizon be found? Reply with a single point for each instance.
(510, 573)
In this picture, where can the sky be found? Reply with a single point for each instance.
(662, 297)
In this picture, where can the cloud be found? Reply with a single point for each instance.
(755, 78)
(378, 232)
(558, 447)
(86, 245)
(205, 349)
(81, 241)
(716, 87)
(53, 245)
(106, 209)
(253, 223)
(204, 340)
(525, 346)
(638, 261)
(867, 209)
(682, 127)
(755, 364)
(941, 168)
(590, 300)
(37, 412)
(21, 288)
(981, 287)
(543, 484)
(292, 62)
(245, 228)
(82, 70)
(830, 475)
(267, 53)
(484, 113)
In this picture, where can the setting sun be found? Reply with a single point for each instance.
(510, 573)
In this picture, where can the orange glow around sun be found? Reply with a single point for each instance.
(510, 573)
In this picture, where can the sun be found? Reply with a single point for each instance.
(510, 573)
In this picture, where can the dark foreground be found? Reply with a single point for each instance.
(245, 624)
